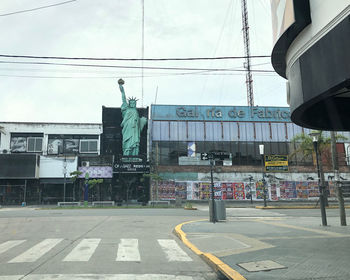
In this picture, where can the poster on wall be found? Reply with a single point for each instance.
(181, 190)
(302, 190)
(250, 191)
(71, 146)
(193, 190)
(166, 190)
(204, 191)
(313, 189)
(18, 144)
(238, 191)
(259, 190)
(227, 191)
(288, 189)
(55, 146)
(274, 194)
(217, 191)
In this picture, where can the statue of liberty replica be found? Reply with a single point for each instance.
(132, 124)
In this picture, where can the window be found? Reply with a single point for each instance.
(22, 143)
(88, 146)
(34, 144)
(55, 146)
(18, 144)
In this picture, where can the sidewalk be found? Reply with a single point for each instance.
(257, 244)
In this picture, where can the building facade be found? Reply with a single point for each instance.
(37, 161)
(179, 134)
(311, 50)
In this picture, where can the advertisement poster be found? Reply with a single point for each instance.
(18, 144)
(259, 190)
(195, 190)
(227, 191)
(71, 146)
(55, 146)
(166, 190)
(313, 189)
(181, 189)
(204, 191)
(331, 188)
(238, 191)
(217, 191)
(302, 190)
(250, 191)
(273, 192)
(288, 190)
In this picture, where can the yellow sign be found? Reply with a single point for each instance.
(276, 163)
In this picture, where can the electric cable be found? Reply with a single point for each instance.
(38, 8)
(132, 67)
(131, 59)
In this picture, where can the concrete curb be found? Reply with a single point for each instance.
(213, 261)
(297, 207)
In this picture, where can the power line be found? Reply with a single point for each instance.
(133, 67)
(35, 9)
(132, 76)
(132, 59)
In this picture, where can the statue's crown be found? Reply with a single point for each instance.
(132, 99)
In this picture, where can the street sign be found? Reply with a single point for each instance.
(204, 156)
(221, 155)
(215, 156)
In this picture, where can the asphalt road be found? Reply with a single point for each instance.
(97, 244)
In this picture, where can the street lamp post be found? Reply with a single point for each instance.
(315, 136)
(261, 150)
(213, 213)
(64, 178)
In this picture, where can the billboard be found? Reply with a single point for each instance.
(276, 163)
(19, 166)
(53, 167)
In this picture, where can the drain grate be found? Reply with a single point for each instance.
(261, 266)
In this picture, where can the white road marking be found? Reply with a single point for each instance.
(173, 251)
(9, 244)
(83, 251)
(98, 277)
(128, 250)
(36, 251)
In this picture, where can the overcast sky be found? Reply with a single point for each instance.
(113, 29)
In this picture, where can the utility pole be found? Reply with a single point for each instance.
(157, 163)
(64, 179)
(213, 216)
(245, 28)
(337, 181)
(24, 203)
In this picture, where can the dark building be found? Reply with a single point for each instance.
(312, 43)
(129, 184)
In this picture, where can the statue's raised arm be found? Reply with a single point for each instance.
(121, 83)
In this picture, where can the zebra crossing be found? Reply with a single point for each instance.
(128, 250)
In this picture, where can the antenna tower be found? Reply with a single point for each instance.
(245, 28)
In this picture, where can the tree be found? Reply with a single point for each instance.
(154, 177)
(74, 177)
(95, 182)
(304, 146)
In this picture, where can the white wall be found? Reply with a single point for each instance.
(53, 167)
